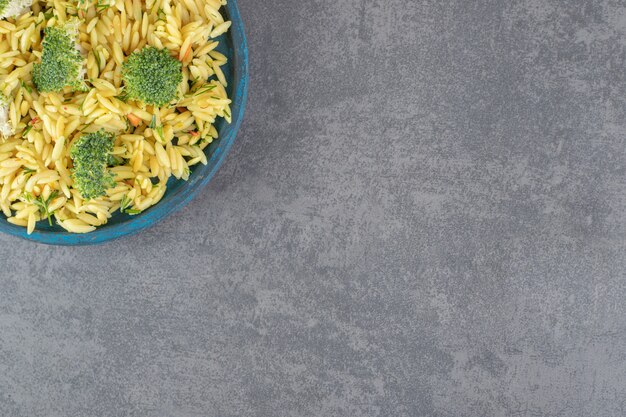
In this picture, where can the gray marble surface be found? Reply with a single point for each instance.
(424, 215)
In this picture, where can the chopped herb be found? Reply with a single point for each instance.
(204, 89)
(125, 206)
(26, 130)
(42, 203)
(153, 122)
(101, 6)
(27, 87)
(124, 203)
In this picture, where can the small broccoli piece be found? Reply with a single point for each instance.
(5, 126)
(62, 64)
(152, 76)
(91, 155)
(12, 8)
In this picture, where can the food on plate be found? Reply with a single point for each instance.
(102, 102)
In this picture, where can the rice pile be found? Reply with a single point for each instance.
(153, 143)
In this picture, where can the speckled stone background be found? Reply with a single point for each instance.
(424, 215)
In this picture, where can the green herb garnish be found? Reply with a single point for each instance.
(42, 204)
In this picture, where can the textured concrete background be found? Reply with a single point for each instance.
(424, 215)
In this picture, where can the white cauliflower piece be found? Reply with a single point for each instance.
(5, 125)
(12, 8)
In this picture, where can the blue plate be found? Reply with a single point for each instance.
(179, 192)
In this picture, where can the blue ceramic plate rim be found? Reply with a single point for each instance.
(176, 200)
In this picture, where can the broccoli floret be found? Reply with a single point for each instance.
(61, 62)
(11, 8)
(5, 126)
(152, 76)
(91, 155)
